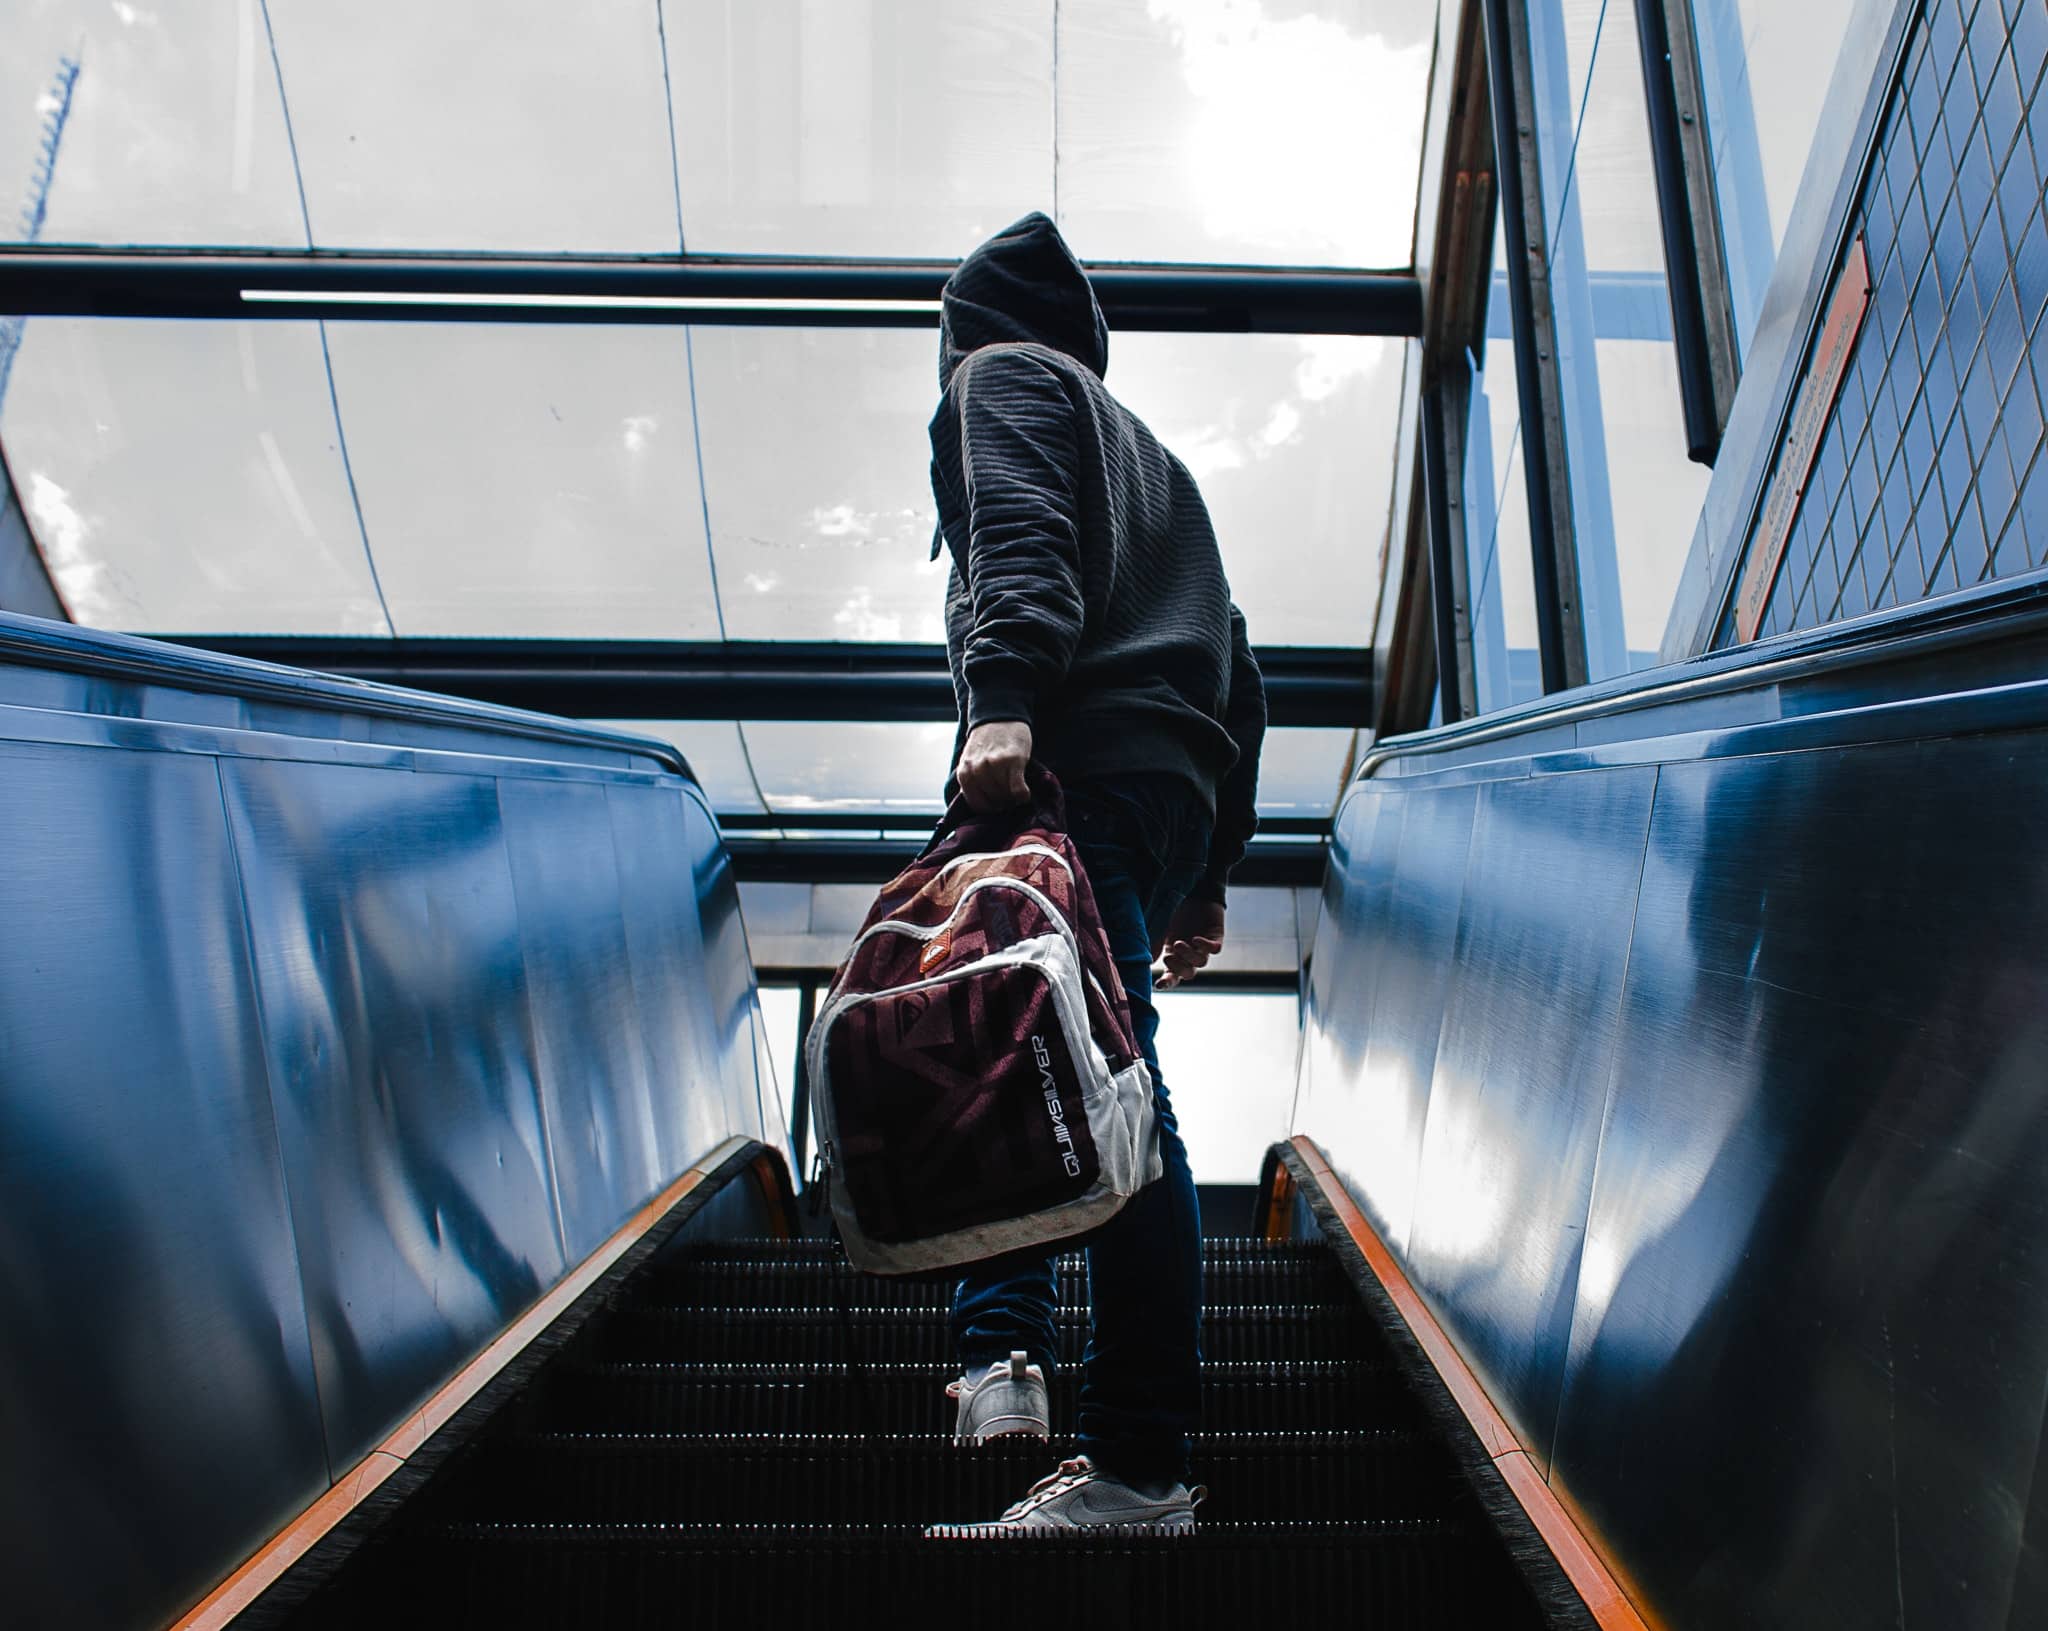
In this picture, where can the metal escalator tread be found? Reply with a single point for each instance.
(752, 1428)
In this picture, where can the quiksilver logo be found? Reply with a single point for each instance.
(1062, 1135)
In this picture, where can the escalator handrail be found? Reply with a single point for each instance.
(38, 642)
(1993, 611)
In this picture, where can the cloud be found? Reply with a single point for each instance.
(638, 428)
(762, 582)
(1298, 126)
(859, 620)
(66, 538)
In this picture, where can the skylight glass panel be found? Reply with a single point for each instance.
(1243, 130)
(533, 481)
(1291, 439)
(860, 127)
(715, 752)
(817, 473)
(187, 477)
(1257, 131)
(513, 125)
(807, 768)
(142, 123)
(817, 481)
(895, 772)
(1302, 770)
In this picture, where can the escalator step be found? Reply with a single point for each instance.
(876, 1336)
(911, 1398)
(769, 1249)
(825, 1284)
(1417, 1576)
(752, 1428)
(827, 1478)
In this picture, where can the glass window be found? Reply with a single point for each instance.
(521, 124)
(144, 124)
(817, 481)
(1500, 573)
(715, 752)
(1228, 1060)
(817, 473)
(1292, 440)
(536, 480)
(900, 128)
(1219, 130)
(1302, 769)
(1766, 67)
(1635, 494)
(1237, 130)
(804, 767)
(186, 477)
(780, 1007)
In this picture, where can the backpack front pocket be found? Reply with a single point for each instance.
(962, 1101)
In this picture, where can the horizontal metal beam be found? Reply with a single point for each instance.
(38, 282)
(1290, 864)
(633, 679)
(878, 825)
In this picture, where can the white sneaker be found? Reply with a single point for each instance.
(1009, 1398)
(1081, 1498)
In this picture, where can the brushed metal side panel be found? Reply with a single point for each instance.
(157, 1405)
(1810, 1357)
(387, 955)
(1383, 967)
(728, 969)
(694, 1105)
(1521, 1075)
(597, 1080)
(1341, 969)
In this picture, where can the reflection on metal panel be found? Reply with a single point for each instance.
(596, 1090)
(156, 1383)
(1819, 1203)
(1521, 1074)
(387, 952)
(693, 1101)
(310, 1045)
(1730, 1187)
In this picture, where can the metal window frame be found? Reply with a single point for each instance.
(1689, 214)
(737, 679)
(1460, 287)
(1289, 864)
(1546, 467)
(695, 289)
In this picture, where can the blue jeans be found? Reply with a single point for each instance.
(1144, 842)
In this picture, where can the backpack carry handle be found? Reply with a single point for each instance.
(1046, 807)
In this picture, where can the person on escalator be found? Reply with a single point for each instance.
(1089, 626)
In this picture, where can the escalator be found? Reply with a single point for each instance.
(749, 1427)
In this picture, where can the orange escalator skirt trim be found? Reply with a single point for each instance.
(1589, 1572)
(298, 1537)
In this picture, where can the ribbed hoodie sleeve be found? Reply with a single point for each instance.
(1020, 472)
(1244, 716)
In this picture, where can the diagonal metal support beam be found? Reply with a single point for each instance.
(1546, 469)
(36, 282)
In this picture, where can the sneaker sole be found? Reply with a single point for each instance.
(1007, 1427)
(1176, 1526)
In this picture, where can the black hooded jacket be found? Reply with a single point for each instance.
(1087, 597)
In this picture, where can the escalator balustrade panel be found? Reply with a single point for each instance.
(752, 1427)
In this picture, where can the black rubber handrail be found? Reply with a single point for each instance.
(36, 642)
(1973, 617)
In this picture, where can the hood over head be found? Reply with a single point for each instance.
(1023, 284)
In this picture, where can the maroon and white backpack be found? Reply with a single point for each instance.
(973, 1075)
